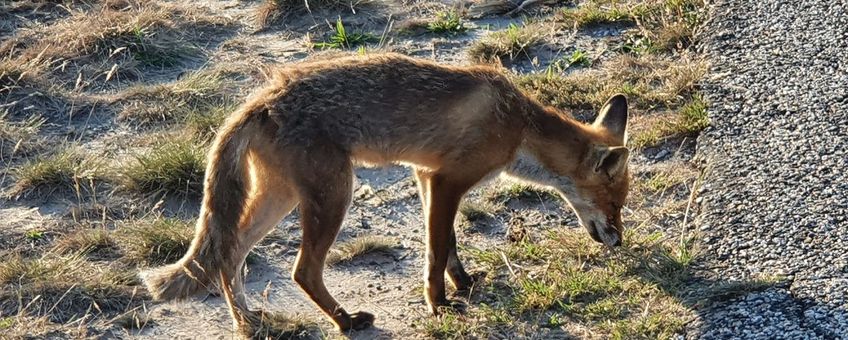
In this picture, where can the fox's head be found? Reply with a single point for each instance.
(601, 189)
(587, 167)
(586, 164)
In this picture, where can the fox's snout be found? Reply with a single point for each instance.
(604, 233)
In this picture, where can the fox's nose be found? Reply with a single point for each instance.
(604, 234)
(593, 232)
(617, 241)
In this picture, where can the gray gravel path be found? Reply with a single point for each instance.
(776, 200)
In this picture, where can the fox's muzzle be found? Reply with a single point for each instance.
(605, 234)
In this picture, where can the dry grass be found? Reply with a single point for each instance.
(24, 7)
(645, 289)
(474, 211)
(662, 25)
(174, 167)
(20, 138)
(667, 25)
(117, 39)
(688, 121)
(649, 81)
(595, 13)
(67, 169)
(273, 11)
(133, 320)
(281, 326)
(198, 99)
(64, 288)
(204, 124)
(23, 90)
(566, 279)
(664, 178)
(15, 14)
(360, 246)
(521, 191)
(94, 241)
(154, 242)
(449, 325)
(634, 292)
(509, 44)
(661, 90)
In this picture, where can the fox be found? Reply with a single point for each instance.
(296, 142)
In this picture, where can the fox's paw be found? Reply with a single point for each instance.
(448, 306)
(356, 321)
(361, 320)
(467, 282)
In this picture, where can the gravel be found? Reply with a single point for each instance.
(775, 200)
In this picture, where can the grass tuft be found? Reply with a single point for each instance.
(273, 11)
(643, 289)
(95, 241)
(509, 44)
(6, 322)
(669, 25)
(591, 14)
(280, 326)
(564, 287)
(174, 167)
(476, 211)
(575, 91)
(66, 169)
(662, 25)
(114, 40)
(27, 95)
(521, 191)
(578, 58)
(447, 22)
(133, 320)
(689, 120)
(343, 39)
(650, 82)
(155, 242)
(20, 138)
(360, 246)
(34, 235)
(64, 288)
(448, 325)
(693, 116)
(199, 100)
(205, 124)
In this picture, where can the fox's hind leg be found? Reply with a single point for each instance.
(325, 192)
(270, 199)
(264, 217)
(457, 274)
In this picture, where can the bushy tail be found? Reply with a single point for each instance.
(215, 238)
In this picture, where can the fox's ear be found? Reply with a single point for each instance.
(611, 160)
(613, 117)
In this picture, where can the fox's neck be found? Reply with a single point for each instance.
(552, 151)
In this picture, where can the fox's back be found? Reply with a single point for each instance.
(389, 104)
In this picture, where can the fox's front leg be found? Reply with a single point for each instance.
(457, 274)
(443, 194)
